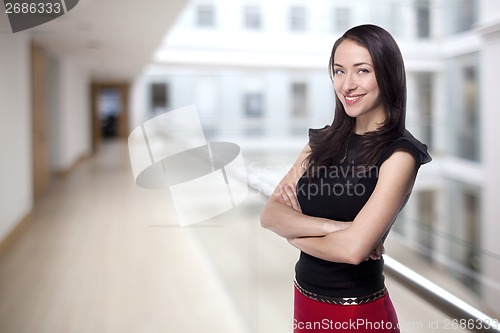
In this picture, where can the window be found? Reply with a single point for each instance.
(254, 111)
(469, 126)
(205, 15)
(464, 131)
(426, 222)
(389, 14)
(395, 22)
(252, 17)
(253, 89)
(464, 227)
(425, 97)
(465, 14)
(298, 108)
(342, 19)
(254, 104)
(299, 100)
(159, 95)
(422, 8)
(297, 18)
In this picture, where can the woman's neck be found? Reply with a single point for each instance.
(368, 122)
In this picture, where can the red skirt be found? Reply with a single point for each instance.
(315, 316)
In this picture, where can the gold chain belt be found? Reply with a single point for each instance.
(342, 300)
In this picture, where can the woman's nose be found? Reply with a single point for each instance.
(349, 84)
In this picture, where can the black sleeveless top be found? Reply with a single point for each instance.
(338, 192)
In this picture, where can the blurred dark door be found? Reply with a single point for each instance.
(109, 111)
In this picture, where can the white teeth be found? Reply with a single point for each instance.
(352, 99)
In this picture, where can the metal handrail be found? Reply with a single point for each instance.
(474, 319)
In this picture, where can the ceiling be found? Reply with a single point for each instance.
(113, 39)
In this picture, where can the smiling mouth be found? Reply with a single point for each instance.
(352, 99)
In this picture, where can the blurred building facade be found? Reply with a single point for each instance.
(257, 72)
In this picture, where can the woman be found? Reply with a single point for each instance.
(341, 196)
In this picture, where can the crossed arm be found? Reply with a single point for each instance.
(337, 241)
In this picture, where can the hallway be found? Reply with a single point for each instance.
(103, 256)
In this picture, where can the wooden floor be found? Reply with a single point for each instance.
(104, 256)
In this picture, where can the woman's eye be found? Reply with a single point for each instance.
(339, 72)
(362, 70)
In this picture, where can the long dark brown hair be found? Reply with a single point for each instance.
(328, 145)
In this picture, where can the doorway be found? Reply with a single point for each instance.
(110, 112)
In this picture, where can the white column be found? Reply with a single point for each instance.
(490, 118)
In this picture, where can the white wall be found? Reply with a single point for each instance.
(70, 134)
(489, 10)
(138, 100)
(73, 128)
(15, 137)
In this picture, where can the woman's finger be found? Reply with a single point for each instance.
(284, 196)
(292, 197)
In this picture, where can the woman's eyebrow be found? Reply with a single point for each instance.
(355, 65)
(361, 64)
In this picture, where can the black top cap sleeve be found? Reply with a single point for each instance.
(407, 142)
(316, 131)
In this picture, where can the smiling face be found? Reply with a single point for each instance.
(356, 86)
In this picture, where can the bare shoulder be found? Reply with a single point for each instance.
(400, 159)
(399, 170)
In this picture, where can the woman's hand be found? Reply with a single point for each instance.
(377, 252)
(288, 196)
